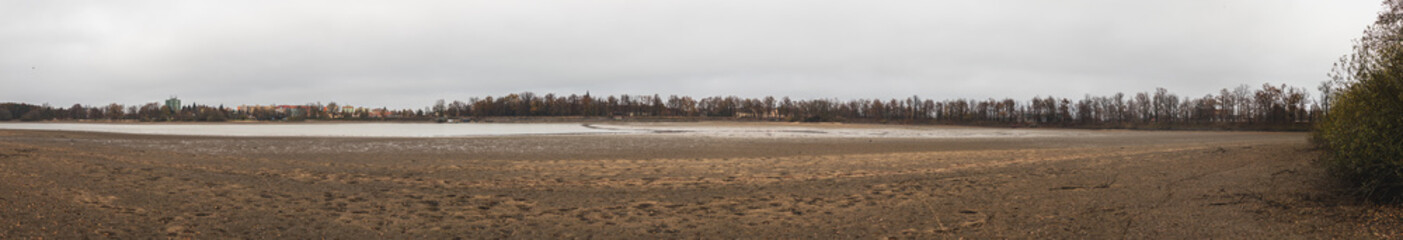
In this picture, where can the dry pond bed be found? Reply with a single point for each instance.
(1094, 184)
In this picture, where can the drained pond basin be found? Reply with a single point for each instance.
(757, 130)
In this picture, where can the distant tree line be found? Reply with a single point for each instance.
(157, 112)
(1268, 107)
(145, 112)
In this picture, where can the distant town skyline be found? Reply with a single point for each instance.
(409, 54)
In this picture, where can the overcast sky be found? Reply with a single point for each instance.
(406, 54)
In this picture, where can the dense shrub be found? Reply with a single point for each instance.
(1362, 133)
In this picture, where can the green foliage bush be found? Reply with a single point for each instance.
(1362, 132)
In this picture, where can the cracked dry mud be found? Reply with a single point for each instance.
(1116, 184)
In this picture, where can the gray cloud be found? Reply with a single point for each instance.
(400, 54)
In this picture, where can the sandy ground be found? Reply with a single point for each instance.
(1105, 185)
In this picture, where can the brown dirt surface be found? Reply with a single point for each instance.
(1113, 185)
